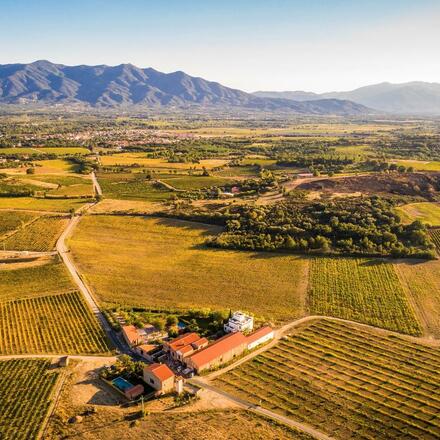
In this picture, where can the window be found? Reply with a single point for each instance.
(151, 381)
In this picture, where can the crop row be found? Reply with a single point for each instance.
(362, 290)
(25, 393)
(50, 324)
(346, 382)
(435, 237)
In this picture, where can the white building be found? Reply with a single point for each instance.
(239, 322)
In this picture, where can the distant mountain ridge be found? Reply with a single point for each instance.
(408, 98)
(126, 85)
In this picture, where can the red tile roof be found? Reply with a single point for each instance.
(182, 340)
(147, 347)
(161, 371)
(218, 348)
(131, 333)
(260, 333)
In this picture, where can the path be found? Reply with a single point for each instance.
(65, 255)
(261, 411)
(96, 186)
(109, 359)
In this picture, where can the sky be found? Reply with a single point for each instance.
(313, 45)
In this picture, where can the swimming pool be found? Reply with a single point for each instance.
(122, 384)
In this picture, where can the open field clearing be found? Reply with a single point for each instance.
(132, 206)
(353, 150)
(421, 279)
(25, 394)
(163, 263)
(363, 290)
(79, 190)
(420, 165)
(32, 204)
(206, 425)
(35, 280)
(427, 212)
(12, 220)
(40, 235)
(131, 187)
(54, 166)
(347, 382)
(189, 183)
(59, 151)
(50, 324)
(147, 162)
(243, 172)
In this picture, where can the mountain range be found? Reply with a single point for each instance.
(46, 83)
(407, 98)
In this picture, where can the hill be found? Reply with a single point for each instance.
(43, 82)
(407, 98)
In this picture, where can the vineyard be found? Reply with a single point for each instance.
(363, 290)
(25, 394)
(346, 381)
(41, 235)
(12, 220)
(50, 324)
(435, 237)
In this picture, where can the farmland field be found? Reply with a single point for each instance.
(35, 280)
(363, 290)
(25, 394)
(12, 220)
(195, 182)
(54, 166)
(420, 165)
(40, 235)
(346, 381)
(29, 203)
(427, 212)
(50, 324)
(131, 187)
(434, 233)
(147, 162)
(163, 263)
(422, 282)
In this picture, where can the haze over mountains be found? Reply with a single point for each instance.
(46, 83)
(407, 98)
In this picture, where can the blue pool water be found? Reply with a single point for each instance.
(122, 384)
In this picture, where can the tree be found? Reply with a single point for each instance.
(30, 170)
(172, 320)
(158, 323)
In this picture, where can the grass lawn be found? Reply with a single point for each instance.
(363, 290)
(32, 204)
(32, 281)
(427, 212)
(163, 263)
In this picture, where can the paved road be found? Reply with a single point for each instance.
(261, 411)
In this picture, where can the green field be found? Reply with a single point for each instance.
(59, 324)
(347, 382)
(420, 165)
(40, 235)
(36, 280)
(127, 186)
(25, 395)
(362, 290)
(59, 151)
(163, 263)
(31, 204)
(189, 183)
(12, 220)
(427, 212)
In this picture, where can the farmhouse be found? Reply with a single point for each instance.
(260, 336)
(227, 348)
(147, 351)
(239, 322)
(136, 336)
(184, 346)
(221, 351)
(159, 377)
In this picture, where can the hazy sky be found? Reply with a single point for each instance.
(318, 45)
